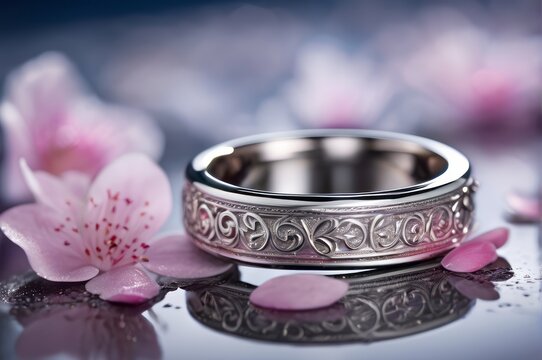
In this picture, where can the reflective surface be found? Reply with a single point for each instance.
(378, 306)
(499, 319)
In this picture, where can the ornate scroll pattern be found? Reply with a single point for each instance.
(227, 227)
(327, 232)
(387, 307)
(254, 231)
(289, 236)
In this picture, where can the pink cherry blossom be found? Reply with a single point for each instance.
(334, 89)
(57, 126)
(468, 74)
(105, 233)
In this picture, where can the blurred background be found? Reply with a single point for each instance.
(208, 71)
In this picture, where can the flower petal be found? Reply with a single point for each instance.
(498, 237)
(470, 257)
(126, 284)
(17, 145)
(298, 292)
(77, 182)
(98, 133)
(525, 208)
(133, 193)
(178, 257)
(37, 97)
(61, 194)
(121, 129)
(41, 88)
(54, 251)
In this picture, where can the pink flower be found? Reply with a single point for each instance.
(468, 74)
(334, 89)
(57, 126)
(104, 231)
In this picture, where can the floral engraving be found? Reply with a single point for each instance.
(205, 222)
(227, 227)
(328, 234)
(385, 232)
(440, 223)
(254, 231)
(413, 229)
(289, 236)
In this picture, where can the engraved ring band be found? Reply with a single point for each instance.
(328, 199)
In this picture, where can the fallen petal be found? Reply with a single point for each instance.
(176, 256)
(127, 284)
(298, 292)
(472, 289)
(498, 237)
(524, 208)
(470, 257)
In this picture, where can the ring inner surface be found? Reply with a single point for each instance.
(328, 165)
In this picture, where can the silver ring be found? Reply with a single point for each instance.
(328, 198)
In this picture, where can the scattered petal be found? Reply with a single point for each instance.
(524, 208)
(127, 284)
(498, 237)
(470, 257)
(298, 292)
(176, 256)
(34, 229)
(474, 289)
